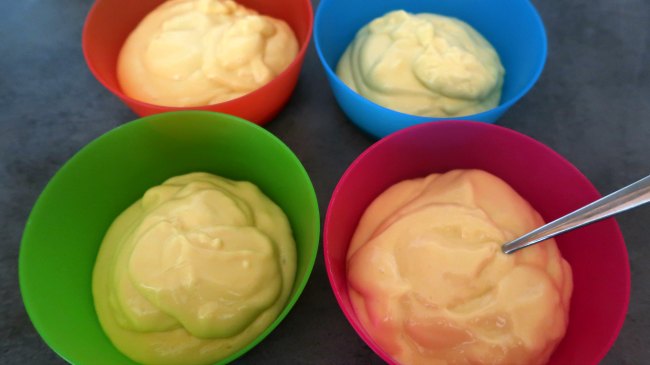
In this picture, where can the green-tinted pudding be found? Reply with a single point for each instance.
(193, 271)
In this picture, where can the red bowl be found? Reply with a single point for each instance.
(109, 22)
(597, 253)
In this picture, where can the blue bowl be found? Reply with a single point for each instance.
(512, 26)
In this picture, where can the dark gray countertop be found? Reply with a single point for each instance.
(592, 105)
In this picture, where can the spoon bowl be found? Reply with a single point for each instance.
(552, 185)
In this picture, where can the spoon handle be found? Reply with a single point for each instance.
(629, 197)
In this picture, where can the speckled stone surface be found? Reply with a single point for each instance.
(592, 105)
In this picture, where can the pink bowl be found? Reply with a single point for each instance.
(553, 186)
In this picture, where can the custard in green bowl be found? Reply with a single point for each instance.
(69, 221)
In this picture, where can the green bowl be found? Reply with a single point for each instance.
(67, 224)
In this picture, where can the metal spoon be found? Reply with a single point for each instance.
(629, 197)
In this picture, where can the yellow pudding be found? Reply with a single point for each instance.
(423, 64)
(193, 271)
(200, 52)
(429, 283)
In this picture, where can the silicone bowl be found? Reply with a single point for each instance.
(72, 214)
(109, 22)
(597, 253)
(513, 27)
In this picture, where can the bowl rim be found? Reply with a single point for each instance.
(117, 91)
(501, 107)
(28, 297)
(353, 321)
